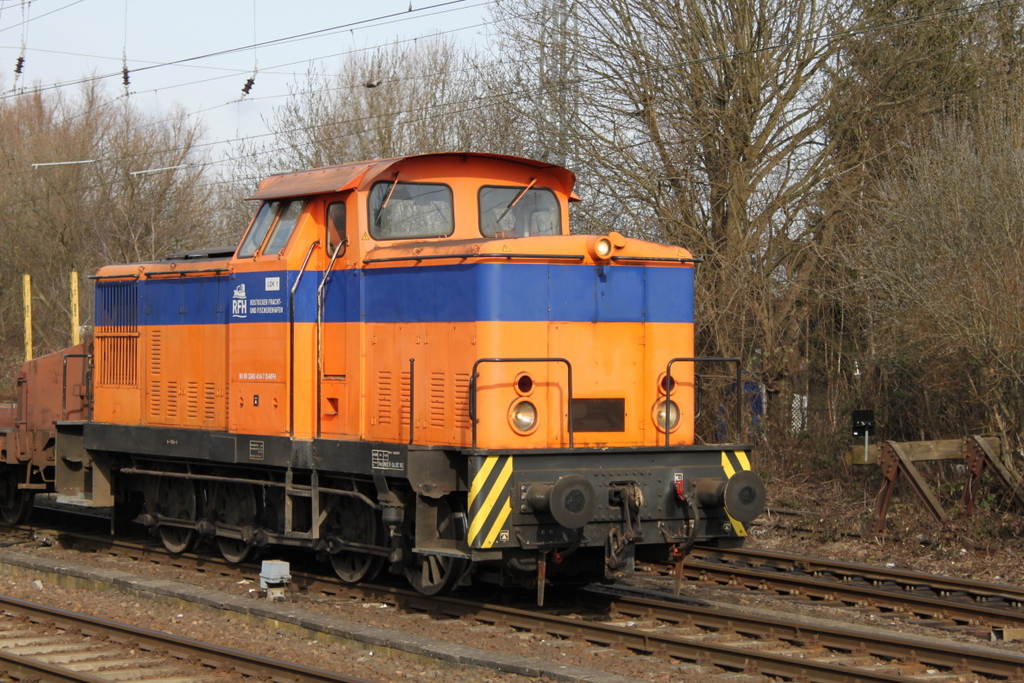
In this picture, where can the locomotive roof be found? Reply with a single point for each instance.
(349, 176)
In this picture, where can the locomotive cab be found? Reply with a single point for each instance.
(414, 364)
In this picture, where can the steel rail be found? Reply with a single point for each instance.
(894, 650)
(27, 669)
(845, 571)
(694, 649)
(925, 596)
(892, 646)
(246, 663)
(824, 590)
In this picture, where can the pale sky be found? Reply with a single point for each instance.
(67, 40)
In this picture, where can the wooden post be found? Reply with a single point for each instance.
(27, 299)
(76, 336)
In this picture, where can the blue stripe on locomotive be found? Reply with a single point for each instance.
(463, 293)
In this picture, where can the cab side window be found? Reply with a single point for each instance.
(278, 219)
(335, 227)
(288, 216)
(258, 232)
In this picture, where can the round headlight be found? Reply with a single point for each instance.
(523, 416)
(603, 247)
(666, 415)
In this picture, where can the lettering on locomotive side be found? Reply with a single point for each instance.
(381, 460)
(272, 376)
(256, 450)
(242, 305)
(265, 306)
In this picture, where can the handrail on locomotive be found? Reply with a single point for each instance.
(697, 411)
(475, 375)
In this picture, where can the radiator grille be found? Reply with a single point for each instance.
(406, 391)
(118, 307)
(437, 399)
(156, 350)
(192, 401)
(118, 355)
(210, 401)
(384, 397)
(117, 334)
(172, 401)
(155, 399)
(462, 420)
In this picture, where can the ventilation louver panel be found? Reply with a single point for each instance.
(117, 334)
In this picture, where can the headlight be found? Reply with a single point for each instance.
(600, 248)
(666, 415)
(523, 416)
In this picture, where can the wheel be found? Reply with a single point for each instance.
(234, 505)
(176, 499)
(15, 503)
(353, 520)
(434, 574)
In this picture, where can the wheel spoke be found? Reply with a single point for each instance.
(432, 574)
(354, 521)
(176, 499)
(15, 503)
(234, 505)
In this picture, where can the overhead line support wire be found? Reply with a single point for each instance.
(275, 41)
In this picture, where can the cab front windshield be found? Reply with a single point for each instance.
(511, 212)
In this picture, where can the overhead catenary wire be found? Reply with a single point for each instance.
(392, 18)
(233, 72)
(41, 16)
(275, 41)
(483, 102)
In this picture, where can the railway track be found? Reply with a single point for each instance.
(975, 607)
(45, 644)
(703, 640)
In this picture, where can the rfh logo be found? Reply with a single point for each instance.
(239, 304)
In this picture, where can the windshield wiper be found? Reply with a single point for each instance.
(533, 181)
(380, 211)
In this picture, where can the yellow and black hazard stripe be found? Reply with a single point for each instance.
(733, 462)
(490, 501)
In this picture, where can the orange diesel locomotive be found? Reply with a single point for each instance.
(407, 363)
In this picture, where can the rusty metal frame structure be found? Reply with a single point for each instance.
(979, 454)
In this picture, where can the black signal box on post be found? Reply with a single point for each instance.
(863, 423)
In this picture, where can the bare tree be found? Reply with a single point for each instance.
(89, 180)
(700, 123)
(428, 96)
(913, 68)
(941, 269)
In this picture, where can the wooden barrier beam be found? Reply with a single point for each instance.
(918, 451)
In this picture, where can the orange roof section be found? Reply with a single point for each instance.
(350, 176)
